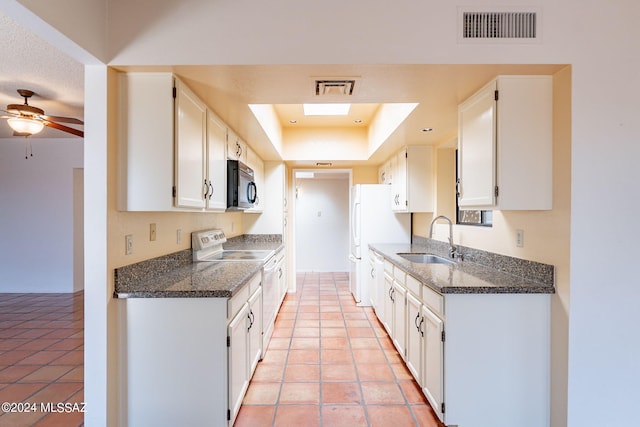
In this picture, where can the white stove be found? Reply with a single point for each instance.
(207, 247)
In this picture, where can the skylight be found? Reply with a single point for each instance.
(326, 109)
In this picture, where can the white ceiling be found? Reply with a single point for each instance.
(30, 63)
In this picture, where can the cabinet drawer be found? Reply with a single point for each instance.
(433, 300)
(400, 275)
(388, 267)
(413, 285)
(236, 302)
(254, 283)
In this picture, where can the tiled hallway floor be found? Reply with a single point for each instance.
(331, 363)
(41, 358)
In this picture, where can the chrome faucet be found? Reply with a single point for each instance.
(453, 251)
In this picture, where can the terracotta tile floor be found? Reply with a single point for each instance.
(41, 358)
(331, 363)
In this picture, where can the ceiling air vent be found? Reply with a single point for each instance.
(515, 25)
(334, 87)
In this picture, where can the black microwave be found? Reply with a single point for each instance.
(241, 186)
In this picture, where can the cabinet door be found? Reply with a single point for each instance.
(282, 280)
(433, 360)
(388, 304)
(477, 148)
(216, 163)
(190, 145)
(399, 318)
(236, 148)
(255, 330)
(400, 203)
(414, 343)
(371, 281)
(237, 359)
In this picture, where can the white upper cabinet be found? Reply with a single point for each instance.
(236, 148)
(161, 145)
(410, 174)
(505, 145)
(190, 142)
(145, 141)
(216, 195)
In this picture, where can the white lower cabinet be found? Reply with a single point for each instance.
(189, 360)
(238, 363)
(387, 317)
(415, 337)
(432, 369)
(495, 370)
(399, 317)
(245, 349)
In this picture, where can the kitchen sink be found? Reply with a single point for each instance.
(422, 258)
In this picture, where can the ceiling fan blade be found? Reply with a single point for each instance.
(63, 119)
(64, 128)
(20, 133)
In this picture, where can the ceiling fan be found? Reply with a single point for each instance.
(26, 120)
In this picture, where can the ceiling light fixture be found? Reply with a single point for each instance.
(357, 121)
(326, 109)
(426, 129)
(293, 122)
(24, 125)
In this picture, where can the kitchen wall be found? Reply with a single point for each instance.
(37, 216)
(322, 224)
(604, 149)
(313, 144)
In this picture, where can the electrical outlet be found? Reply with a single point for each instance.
(520, 238)
(128, 244)
(178, 236)
(152, 231)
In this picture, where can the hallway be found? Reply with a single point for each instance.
(331, 364)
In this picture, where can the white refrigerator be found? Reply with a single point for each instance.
(372, 221)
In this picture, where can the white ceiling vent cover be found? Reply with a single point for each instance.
(515, 26)
(335, 87)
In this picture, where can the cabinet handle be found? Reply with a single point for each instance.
(250, 316)
(211, 188)
(280, 273)
(458, 185)
(389, 293)
(415, 321)
(420, 327)
(372, 274)
(206, 189)
(393, 292)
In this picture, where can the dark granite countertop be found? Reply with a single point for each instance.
(177, 276)
(497, 275)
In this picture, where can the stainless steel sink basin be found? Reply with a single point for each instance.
(425, 258)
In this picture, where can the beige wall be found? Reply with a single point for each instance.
(365, 175)
(314, 144)
(546, 235)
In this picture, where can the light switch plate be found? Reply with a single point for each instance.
(520, 238)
